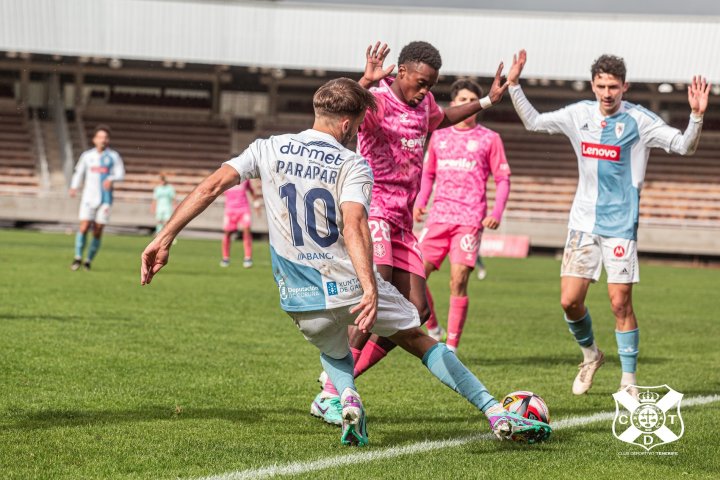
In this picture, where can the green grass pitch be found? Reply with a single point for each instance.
(201, 374)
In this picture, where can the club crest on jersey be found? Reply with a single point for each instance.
(600, 151)
(651, 420)
(619, 129)
(472, 146)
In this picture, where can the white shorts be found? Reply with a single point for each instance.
(98, 214)
(327, 329)
(586, 253)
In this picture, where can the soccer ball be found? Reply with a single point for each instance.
(528, 405)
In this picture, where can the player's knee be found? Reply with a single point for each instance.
(570, 304)
(424, 312)
(621, 307)
(458, 287)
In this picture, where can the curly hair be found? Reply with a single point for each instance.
(609, 64)
(465, 84)
(420, 52)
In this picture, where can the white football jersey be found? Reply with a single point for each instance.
(96, 167)
(305, 178)
(612, 154)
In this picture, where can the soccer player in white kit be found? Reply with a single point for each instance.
(317, 196)
(99, 168)
(612, 139)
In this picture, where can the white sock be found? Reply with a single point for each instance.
(590, 353)
(451, 348)
(628, 379)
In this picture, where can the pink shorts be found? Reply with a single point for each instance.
(395, 247)
(461, 241)
(236, 220)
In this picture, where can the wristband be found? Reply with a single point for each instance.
(485, 102)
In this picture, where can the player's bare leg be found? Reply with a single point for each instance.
(459, 275)
(247, 246)
(626, 332)
(80, 239)
(573, 291)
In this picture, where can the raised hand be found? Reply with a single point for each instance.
(698, 93)
(499, 86)
(374, 71)
(516, 69)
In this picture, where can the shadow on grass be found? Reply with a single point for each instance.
(46, 419)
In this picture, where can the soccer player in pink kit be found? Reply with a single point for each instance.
(237, 216)
(392, 139)
(459, 161)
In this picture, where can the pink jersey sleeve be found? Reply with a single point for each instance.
(501, 174)
(428, 176)
(436, 113)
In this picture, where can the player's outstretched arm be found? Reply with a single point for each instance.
(156, 254)
(459, 113)
(359, 246)
(374, 59)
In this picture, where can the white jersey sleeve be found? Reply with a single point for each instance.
(559, 121)
(118, 169)
(79, 174)
(657, 134)
(355, 183)
(246, 164)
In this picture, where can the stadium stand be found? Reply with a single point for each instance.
(18, 166)
(185, 148)
(678, 191)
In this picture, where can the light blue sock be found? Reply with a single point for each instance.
(449, 370)
(628, 349)
(582, 329)
(79, 244)
(340, 371)
(94, 247)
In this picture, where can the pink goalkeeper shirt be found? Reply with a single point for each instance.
(459, 163)
(392, 140)
(236, 197)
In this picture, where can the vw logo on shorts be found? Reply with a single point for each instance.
(469, 243)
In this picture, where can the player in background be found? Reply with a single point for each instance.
(163, 203)
(612, 139)
(458, 162)
(237, 216)
(392, 139)
(317, 195)
(99, 168)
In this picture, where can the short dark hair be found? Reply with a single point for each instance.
(342, 96)
(420, 52)
(101, 128)
(609, 64)
(465, 84)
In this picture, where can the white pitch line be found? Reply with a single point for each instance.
(297, 468)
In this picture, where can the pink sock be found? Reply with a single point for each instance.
(371, 354)
(226, 246)
(431, 323)
(456, 319)
(247, 243)
(329, 387)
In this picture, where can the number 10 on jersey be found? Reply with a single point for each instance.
(288, 192)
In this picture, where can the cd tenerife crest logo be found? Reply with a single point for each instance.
(651, 420)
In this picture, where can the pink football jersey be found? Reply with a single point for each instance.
(392, 140)
(236, 197)
(459, 163)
